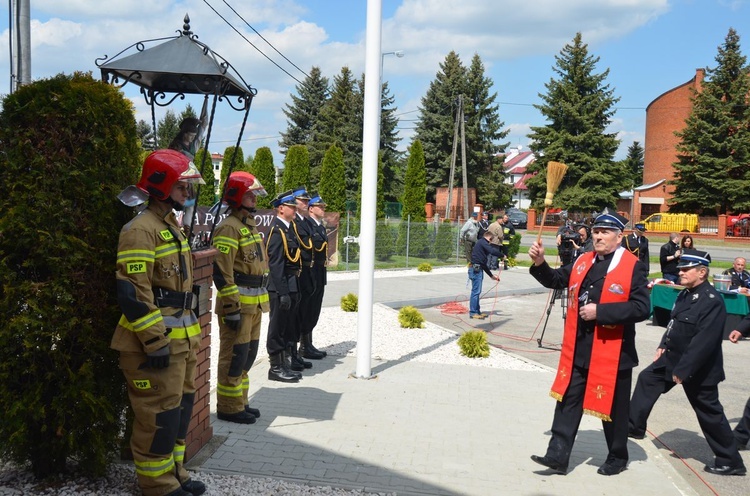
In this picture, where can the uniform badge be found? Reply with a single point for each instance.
(696, 296)
(581, 267)
(711, 295)
(244, 231)
(166, 235)
(616, 289)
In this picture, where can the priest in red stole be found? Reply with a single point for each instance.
(606, 296)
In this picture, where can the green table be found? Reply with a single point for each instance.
(663, 297)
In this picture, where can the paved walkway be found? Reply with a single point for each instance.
(420, 428)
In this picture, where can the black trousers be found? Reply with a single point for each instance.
(314, 302)
(280, 322)
(302, 313)
(742, 430)
(652, 382)
(569, 411)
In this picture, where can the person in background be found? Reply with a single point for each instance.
(587, 244)
(669, 256)
(508, 232)
(740, 277)
(241, 276)
(469, 234)
(497, 229)
(316, 210)
(686, 243)
(690, 354)
(484, 223)
(637, 243)
(478, 268)
(742, 429)
(158, 334)
(607, 296)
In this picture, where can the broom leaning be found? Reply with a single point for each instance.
(555, 173)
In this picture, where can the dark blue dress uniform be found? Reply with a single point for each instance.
(742, 429)
(692, 352)
(638, 246)
(318, 271)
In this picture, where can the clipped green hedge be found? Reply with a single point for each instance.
(473, 344)
(69, 146)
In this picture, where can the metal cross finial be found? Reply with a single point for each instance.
(186, 27)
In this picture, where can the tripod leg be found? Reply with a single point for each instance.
(549, 309)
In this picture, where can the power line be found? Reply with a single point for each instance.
(250, 43)
(262, 38)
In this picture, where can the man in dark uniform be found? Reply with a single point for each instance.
(607, 295)
(508, 232)
(669, 256)
(690, 354)
(742, 429)
(284, 264)
(303, 231)
(316, 210)
(637, 243)
(484, 224)
(740, 277)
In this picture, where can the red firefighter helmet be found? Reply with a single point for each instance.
(162, 169)
(239, 183)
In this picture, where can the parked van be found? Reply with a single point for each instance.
(672, 222)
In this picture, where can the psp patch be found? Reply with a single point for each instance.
(166, 235)
(244, 231)
(225, 249)
(142, 383)
(136, 267)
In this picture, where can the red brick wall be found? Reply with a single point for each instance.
(200, 430)
(457, 202)
(665, 115)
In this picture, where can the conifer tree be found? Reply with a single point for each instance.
(712, 171)
(578, 106)
(296, 168)
(166, 129)
(332, 185)
(237, 163)
(415, 196)
(302, 116)
(633, 164)
(393, 159)
(436, 121)
(339, 123)
(207, 195)
(265, 172)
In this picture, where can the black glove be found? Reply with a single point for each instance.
(285, 302)
(233, 320)
(158, 359)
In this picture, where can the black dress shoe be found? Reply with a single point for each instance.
(194, 487)
(551, 464)
(610, 469)
(726, 470)
(241, 417)
(635, 435)
(740, 445)
(252, 411)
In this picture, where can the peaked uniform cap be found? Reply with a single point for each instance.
(694, 258)
(285, 198)
(641, 227)
(301, 193)
(316, 201)
(609, 219)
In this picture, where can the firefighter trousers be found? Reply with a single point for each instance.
(237, 352)
(162, 403)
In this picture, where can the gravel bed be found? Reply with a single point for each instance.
(336, 333)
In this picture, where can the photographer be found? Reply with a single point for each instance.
(566, 248)
(582, 243)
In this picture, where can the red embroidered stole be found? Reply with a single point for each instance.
(605, 351)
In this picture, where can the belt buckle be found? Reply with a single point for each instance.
(312, 263)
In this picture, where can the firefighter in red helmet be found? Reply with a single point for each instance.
(158, 334)
(240, 276)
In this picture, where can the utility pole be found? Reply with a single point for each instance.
(20, 43)
(463, 159)
(453, 162)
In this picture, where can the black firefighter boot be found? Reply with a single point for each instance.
(307, 350)
(298, 363)
(278, 372)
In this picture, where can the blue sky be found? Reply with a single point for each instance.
(649, 46)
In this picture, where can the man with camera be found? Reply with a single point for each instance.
(478, 267)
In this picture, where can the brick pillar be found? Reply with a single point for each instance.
(722, 232)
(531, 219)
(200, 430)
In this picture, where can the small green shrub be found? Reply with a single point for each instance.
(410, 318)
(474, 344)
(349, 302)
(424, 267)
(512, 262)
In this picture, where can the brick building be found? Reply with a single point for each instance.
(664, 115)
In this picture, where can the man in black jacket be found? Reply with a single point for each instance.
(477, 268)
(607, 295)
(669, 255)
(690, 354)
(742, 429)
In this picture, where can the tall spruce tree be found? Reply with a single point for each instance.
(265, 172)
(339, 123)
(415, 196)
(166, 129)
(302, 115)
(483, 131)
(712, 171)
(436, 120)
(296, 168)
(633, 164)
(578, 106)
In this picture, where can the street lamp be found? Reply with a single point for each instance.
(397, 53)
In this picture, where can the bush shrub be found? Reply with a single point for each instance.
(515, 246)
(349, 302)
(410, 318)
(424, 267)
(445, 240)
(474, 344)
(69, 146)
